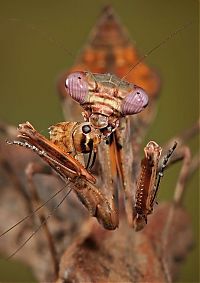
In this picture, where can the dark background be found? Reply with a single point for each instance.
(30, 65)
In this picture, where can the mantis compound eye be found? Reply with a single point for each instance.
(77, 86)
(134, 102)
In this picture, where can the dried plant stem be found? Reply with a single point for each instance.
(31, 170)
(183, 138)
(14, 179)
(184, 151)
(188, 168)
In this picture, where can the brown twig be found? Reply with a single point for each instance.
(31, 170)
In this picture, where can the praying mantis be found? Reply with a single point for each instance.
(101, 150)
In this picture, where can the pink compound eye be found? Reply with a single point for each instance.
(77, 86)
(134, 102)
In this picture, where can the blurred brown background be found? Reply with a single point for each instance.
(30, 65)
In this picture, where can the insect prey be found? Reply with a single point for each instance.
(69, 168)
